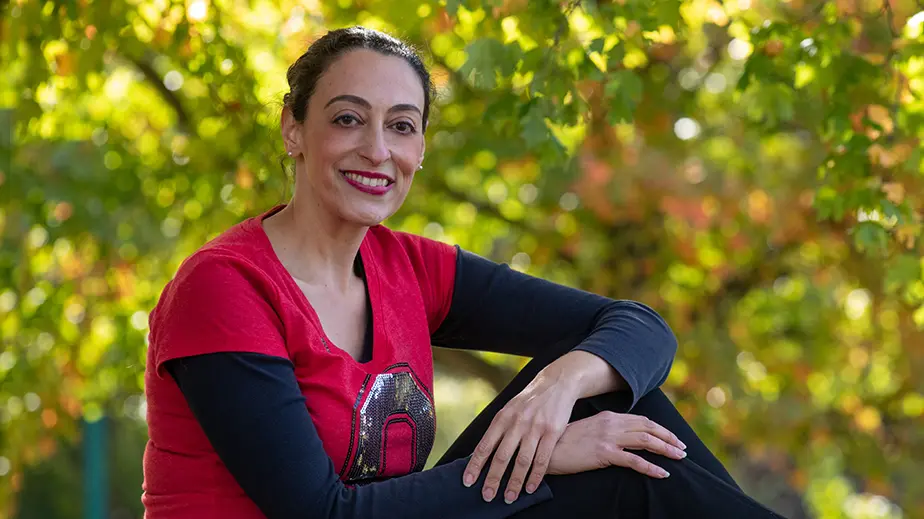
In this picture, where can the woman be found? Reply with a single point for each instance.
(290, 375)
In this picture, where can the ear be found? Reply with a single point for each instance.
(291, 134)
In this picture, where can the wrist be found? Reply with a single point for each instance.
(562, 375)
(569, 374)
(583, 374)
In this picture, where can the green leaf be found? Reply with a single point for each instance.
(890, 210)
(624, 89)
(452, 6)
(597, 45)
(534, 129)
(902, 270)
(758, 68)
(488, 57)
(870, 237)
(615, 56)
(533, 59)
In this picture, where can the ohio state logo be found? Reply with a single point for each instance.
(392, 409)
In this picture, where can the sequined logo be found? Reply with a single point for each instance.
(397, 409)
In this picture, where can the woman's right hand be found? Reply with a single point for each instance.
(601, 441)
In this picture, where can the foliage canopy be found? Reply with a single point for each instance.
(753, 170)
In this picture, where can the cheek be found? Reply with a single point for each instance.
(325, 142)
(328, 147)
(407, 156)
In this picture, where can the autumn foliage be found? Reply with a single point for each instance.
(752, 170)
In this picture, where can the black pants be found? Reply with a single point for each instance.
(698, 485)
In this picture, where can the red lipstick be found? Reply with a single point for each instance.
(368, 181)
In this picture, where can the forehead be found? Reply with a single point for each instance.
(382, 80)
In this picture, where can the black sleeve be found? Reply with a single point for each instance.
(254, 415)
(495, 308)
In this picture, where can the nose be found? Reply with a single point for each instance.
(374, 148)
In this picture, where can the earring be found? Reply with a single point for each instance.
(290, 153)
(420, 167)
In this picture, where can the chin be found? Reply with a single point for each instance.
(369, 213)
(367, 218)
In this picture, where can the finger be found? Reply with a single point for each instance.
(520, 468)
(483, 450)
(651, 443)
(651, 427)
(639, 464)
(499, 464)
(541, 462)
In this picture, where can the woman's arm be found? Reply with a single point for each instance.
(620, 344)
(254, 415)
(495, 308)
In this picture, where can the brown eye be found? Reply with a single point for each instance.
(346, 120)
(404, 127)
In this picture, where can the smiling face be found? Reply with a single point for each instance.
(362, 138)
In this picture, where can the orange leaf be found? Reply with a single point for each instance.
(244, 178)
(894, 191)
(880, 115)
(64, 64)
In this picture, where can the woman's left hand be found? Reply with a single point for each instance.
(534, 420)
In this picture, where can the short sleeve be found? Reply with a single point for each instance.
(216, 303)
(434, 264)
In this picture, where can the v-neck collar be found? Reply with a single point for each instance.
(370, 281)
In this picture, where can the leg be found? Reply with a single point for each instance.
(659, 408)
(699, 486)
(655, 406)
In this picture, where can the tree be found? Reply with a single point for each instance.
(752, 171)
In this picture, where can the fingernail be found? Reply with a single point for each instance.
(680, 453)
(468, 480)
(682, 445)
(530, 488)
(665, 473)
(488, 494)
(510, 497)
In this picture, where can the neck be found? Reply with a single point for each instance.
(316, 247)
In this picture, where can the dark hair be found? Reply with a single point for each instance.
(303, 75)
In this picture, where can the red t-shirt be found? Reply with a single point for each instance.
(234, 295)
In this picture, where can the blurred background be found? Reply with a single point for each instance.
(752, 169)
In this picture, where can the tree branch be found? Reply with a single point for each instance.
(559, 31)
(182, 115)
(896, 104)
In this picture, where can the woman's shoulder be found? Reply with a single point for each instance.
(428, 263)
(243, 239)
(236, 259)
(220, 299)
(408, 243)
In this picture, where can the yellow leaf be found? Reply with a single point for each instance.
(913, 405)
(868, 419)
(919, 317)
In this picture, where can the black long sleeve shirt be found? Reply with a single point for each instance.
(282, 465)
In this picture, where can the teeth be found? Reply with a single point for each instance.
(366, 181)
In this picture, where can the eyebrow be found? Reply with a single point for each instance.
(404, 107)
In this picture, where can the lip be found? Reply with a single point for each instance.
(372, 190)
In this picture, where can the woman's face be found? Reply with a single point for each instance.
(362, 138)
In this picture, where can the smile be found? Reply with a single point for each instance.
(368, 182)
